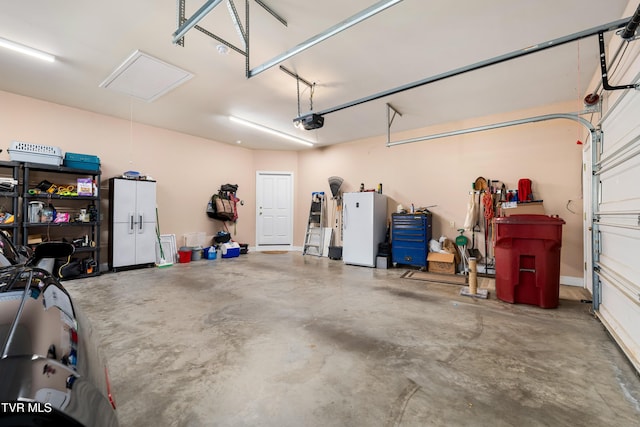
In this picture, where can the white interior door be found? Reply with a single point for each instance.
(274, 208)
(617, 225)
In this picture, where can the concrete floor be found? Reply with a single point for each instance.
(287, 340)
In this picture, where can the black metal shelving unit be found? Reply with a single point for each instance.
(88, 232)
(9, 200)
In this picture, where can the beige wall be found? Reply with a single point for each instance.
(440, 172)
(188, 169)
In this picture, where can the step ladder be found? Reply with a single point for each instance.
(314, 237)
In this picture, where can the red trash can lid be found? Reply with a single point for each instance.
(530, 219)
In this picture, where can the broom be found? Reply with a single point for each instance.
(163, 262)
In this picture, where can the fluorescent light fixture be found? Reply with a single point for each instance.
(270, 131)
(26, 50)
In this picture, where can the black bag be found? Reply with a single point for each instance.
(222, 237)
(229, 188)
(71, 267)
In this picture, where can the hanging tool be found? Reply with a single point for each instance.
(335, 182)
(461, 242)
(163, 260)
(479, 185)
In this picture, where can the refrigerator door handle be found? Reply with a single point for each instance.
(131, 222)
(140, 223)
(344, 215)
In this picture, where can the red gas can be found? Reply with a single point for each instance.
(527, 252)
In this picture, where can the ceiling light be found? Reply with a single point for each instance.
(26, 50)
(270, 131)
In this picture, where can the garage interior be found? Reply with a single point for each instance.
(431, 105)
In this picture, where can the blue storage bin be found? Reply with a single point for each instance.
(81, 161)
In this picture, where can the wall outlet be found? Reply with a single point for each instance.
(452, 224)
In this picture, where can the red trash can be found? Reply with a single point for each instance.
(527, 252)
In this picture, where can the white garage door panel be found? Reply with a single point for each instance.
(620, 248)
(620, 314)
(617, 194)
(611, 270)
(617, 225)
(622, 127)
(621, 124)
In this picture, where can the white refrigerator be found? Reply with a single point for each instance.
(364, 226)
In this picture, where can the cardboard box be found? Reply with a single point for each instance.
(529, 208)
(85, 187)
(441, 263)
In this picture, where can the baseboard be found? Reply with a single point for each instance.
(572, 281)
(276, 248)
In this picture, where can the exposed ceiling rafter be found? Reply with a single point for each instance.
(233, 12)
(184, 25)
(338, 28)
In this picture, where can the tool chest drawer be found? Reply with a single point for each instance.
(410, 235)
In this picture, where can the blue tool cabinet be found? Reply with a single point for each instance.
(410, 235)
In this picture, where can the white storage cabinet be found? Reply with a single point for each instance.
(132, 223)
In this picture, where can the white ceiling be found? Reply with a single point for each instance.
(410, 41)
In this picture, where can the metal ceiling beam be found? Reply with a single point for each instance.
(482, 64)
(603, 67)
(586, 123)
(295, 76)
(191, 22)
(233, 12)
(347, 23)
(221, 40)
(271, 12)
(390, 119)
(181, 19)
